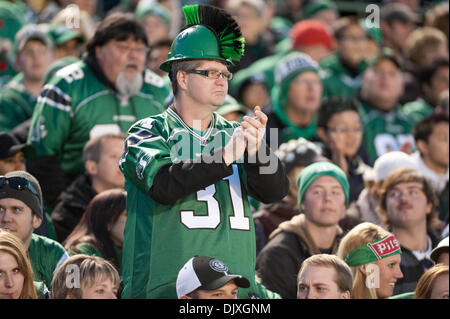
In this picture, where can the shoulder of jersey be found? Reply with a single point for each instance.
(154, 79)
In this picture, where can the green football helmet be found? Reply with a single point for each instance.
(210, 34)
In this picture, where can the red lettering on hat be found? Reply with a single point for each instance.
(386, 246)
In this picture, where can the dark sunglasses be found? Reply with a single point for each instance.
(18, 183)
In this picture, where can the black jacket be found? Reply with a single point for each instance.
(71, 205)
(277, 265)
(412, 268)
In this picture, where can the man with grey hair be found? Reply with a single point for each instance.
(106, 92)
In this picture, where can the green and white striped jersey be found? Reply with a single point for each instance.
(75, 105)
(214, 221)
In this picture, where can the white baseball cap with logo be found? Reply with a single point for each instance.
(206, 273)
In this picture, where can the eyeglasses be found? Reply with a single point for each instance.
(213, 74)
(344, 130)
(128, 49)
(18, 183)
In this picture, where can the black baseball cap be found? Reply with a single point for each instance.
(10, 145)
(206, 273)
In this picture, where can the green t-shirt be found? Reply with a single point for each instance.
(337, 81)
(417, 110)
(75, 106)
(215, 221)
(384, 131)
(16, 104)
(45, 256)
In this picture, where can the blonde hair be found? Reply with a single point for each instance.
(421, 41)
(427, 280)
(361, 234)
(92, 269)
(12, 245)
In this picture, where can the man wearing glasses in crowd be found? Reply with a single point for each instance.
(106, 92)
(189, 172)
(21, 213)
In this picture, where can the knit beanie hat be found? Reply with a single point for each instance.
(316, 170)
(286, 70)
(30, 194)
(312, 32)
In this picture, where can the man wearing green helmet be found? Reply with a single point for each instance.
(189, 172)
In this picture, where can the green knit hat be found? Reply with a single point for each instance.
(154, 9)
(286, 70)
(316, 170)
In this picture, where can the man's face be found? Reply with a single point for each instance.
(305, 92)
(17, 218)
(351, 46)
(227, 291)
(11, 277)
(319, 282)
(344, 131)
(155, 28)
(107, 172)
(436, 150)
(249, 21)
(13, 163)
(122, 57)
(34, 60)
(398, 32)
(389, 272)
(204, 90)
(406, 204)
(383, 82)
(324, 201)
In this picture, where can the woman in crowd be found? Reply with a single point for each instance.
(373, 254)
(433, 284)
(100, 230)
(16, 274)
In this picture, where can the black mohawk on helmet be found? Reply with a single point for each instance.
(231, 41)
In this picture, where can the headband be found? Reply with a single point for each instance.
(373, 251)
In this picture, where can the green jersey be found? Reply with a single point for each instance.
(417, 110)
(46, 255)
(16, 104)
(212, 221)
(384, 131)
(75, 105)
(337, 81)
